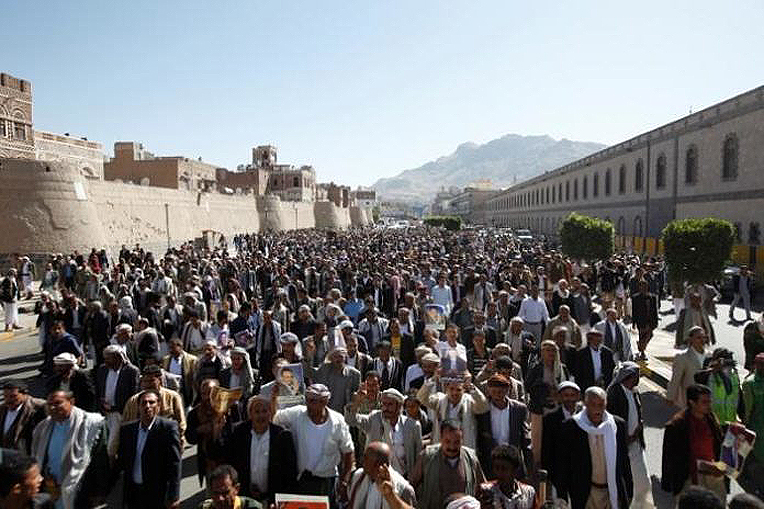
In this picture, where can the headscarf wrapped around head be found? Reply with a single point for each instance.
(465, 502)
(319, 390)
(625, 371)
(247, 375)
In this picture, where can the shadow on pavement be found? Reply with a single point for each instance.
(661, 499)
(21, 359)
(660, 410)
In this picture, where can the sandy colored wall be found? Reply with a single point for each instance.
(131, 213)
(50, 207)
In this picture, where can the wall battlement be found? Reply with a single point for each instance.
(16, 84)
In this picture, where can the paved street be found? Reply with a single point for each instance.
(19, 358)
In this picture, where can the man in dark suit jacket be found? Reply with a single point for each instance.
(644, 313)
(127, 380)
(518, 429)
(357, 358)
(150, 456)
(407, 343)
(585, 371)
(578, 464)
(78, 381)
(23, 411)
(97, 329)
(623, 388)
(478, 320)
(389, 368)
(551, 452)
(278, 459)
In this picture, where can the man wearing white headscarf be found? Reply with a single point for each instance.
(240, 373)
(323, 443)
(595, 462)
(623, 401)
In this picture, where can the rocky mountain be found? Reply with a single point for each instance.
(503, 161)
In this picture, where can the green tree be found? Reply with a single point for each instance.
(696, 249)
(586, 238)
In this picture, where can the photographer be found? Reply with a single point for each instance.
(720, 374)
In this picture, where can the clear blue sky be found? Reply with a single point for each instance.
(365, 89)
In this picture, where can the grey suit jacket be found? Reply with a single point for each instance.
(371, 424)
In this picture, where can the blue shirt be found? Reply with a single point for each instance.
(67, 344)
(353, 309)
(59, 435)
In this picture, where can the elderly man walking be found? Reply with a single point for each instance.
(597, 473)
(323, 443)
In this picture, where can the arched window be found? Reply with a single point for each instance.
(729, 157)
(546, 200)
(596, 185)
(691, 165)
(622, 179)
(620, 228)
(637, 230)
(608, 182)
(585, 190)
(567, 190)
(575, 189)
(660, 172)
(554, 194)
(559, 192)
(639, 177)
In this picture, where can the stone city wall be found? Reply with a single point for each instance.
(50, 207)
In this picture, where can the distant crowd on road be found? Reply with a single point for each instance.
(387, 368)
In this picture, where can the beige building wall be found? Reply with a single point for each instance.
(542, 202)
(16, 135)
(86, 155)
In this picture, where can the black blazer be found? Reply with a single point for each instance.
(584, 369)
(363, 363)
(395, 379)
(551, 450)
(519, 436)
(577, 464)
(617, 404)
(80, 385)
(282, 459)
(407, 355)
(468, 332)
(127, 384)
(644, 310)
(160, 463)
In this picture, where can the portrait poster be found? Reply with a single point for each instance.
(738, 442)
(291, 386)
(434, 316)
(284, 501)
(222, 398)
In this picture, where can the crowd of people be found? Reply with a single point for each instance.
(376, 367)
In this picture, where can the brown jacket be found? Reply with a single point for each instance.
(19, 435)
